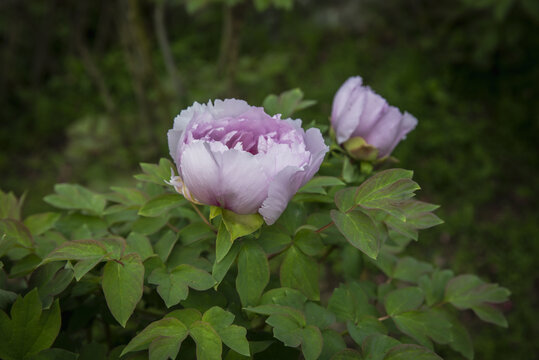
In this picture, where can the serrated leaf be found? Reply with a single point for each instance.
(122, 285)
(360, 231)
(253, 273)
(160, 204)
(299, 271)
(173, 286)
(403, 300)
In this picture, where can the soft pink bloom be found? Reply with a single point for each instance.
(237, 157)
(360, 112)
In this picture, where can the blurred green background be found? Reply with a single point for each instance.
(88, 90)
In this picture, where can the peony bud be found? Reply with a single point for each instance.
(239, 158)
(358, 112)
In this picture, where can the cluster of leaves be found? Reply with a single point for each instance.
(167, 279)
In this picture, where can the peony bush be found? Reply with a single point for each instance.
(261, 239)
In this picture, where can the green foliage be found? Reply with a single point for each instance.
(30, 329)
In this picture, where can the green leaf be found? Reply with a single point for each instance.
(241, 225)
(365, 327)
(51, 280)
(299, 271)
(403, 300)
(149, 225)
(462, 341)
(139, 244)
(166, 243)
(78, 250)
(127, 196)
(311, 343)
(253, 273)
(14, 232)
(54, 354)
(289, 101)
(223, 243)
(221, 268)
(285, 297)
(376, 347)
(386, 186)
(70, 196)
(434, 287)
(360, 231)
(122, 284)
(164, 348)
(317, 184)
(187, 316)
(10, 207)
(332, 344)
(30, 330)
(349, 303)
(347, 354)
(318, 316)
(467, 291)
(173, 286)
(309, 241)
(410, 269)
(234, 337)
(156, 174)
(411, 352)
(40, 223)
(273, 309)
(169, 327)
(424, 324)
(490, 314)
(160, 204)
(286, 329)
(207, 341)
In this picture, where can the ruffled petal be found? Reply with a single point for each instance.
(230, 179)
(200, 172)
(282, 188)
(287, 182)
(385, 133)
(350, 116)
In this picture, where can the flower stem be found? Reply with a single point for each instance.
(203, 217)
(325, 227)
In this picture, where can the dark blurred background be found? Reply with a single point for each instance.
(88, 90)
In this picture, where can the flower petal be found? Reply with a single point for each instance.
(230, 179)
(385, 134)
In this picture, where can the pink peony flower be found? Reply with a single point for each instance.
(237, 157)
(360, 112)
